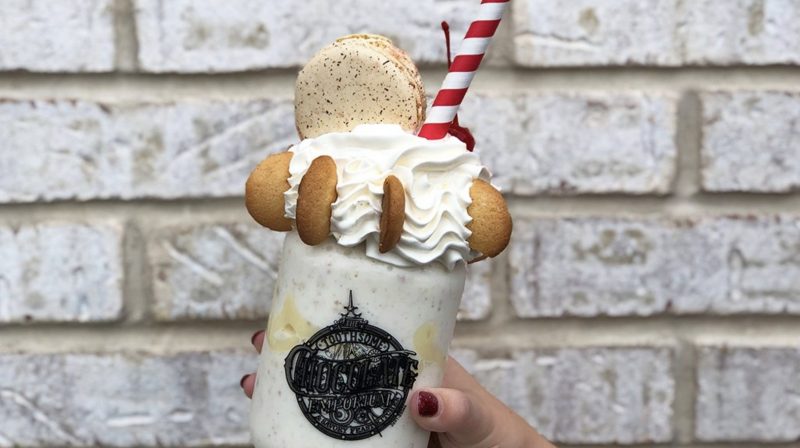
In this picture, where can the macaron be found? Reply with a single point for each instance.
(359, 79)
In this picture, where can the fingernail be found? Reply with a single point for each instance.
(241, 381)
(254, 336)
(427, 404)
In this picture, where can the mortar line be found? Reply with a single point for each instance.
(768, 331)
(664, 331)
(231, 209)
(500, 307)
(126, 44)
(279, 83)
(716, 72)
(688, 140)
(137, 287)
(684, 373)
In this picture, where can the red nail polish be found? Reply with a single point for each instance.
(254, 336)
(427, 404)
(241, 381)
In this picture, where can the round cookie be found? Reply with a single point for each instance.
(264, 192)
(359, 79)
(491, 222)
(393, 214)
(315, 197)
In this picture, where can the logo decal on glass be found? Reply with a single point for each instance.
(351, 379)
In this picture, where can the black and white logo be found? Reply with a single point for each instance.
(351, 379)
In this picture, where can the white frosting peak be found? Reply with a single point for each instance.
(436, 175)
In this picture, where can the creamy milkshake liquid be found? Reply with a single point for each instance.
(347, 338)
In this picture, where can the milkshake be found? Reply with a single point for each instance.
(381, 226)
(347, 339)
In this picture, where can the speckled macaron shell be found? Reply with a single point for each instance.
(359, 79)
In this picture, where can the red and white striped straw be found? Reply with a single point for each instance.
(462, 70)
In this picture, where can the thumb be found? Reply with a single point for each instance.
(451, 411)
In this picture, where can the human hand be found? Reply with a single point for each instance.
(460, 414)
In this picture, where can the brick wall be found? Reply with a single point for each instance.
(650, 151)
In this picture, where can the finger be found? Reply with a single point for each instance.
(504, 422)
(248, 383)
(258, 340)
(456, 377)
(453, 412)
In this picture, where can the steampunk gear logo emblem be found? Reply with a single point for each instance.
(351, 379)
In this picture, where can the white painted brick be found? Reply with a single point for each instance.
(616, 266)
(575, 142)
(656, 32)
(594, 266)
(47, 36)
(556, 143)
(83, 150)
(748, 393)
(212, 36)
(595, 32)
(214, 271)
(753, 32)
(125, 400)
(584, 395)
(476, 303)
(751, 141)
(61, 271)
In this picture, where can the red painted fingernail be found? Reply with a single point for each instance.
(241, 381)
(254, 336)
(427, 404)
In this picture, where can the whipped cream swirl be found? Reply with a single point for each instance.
(436, 175)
